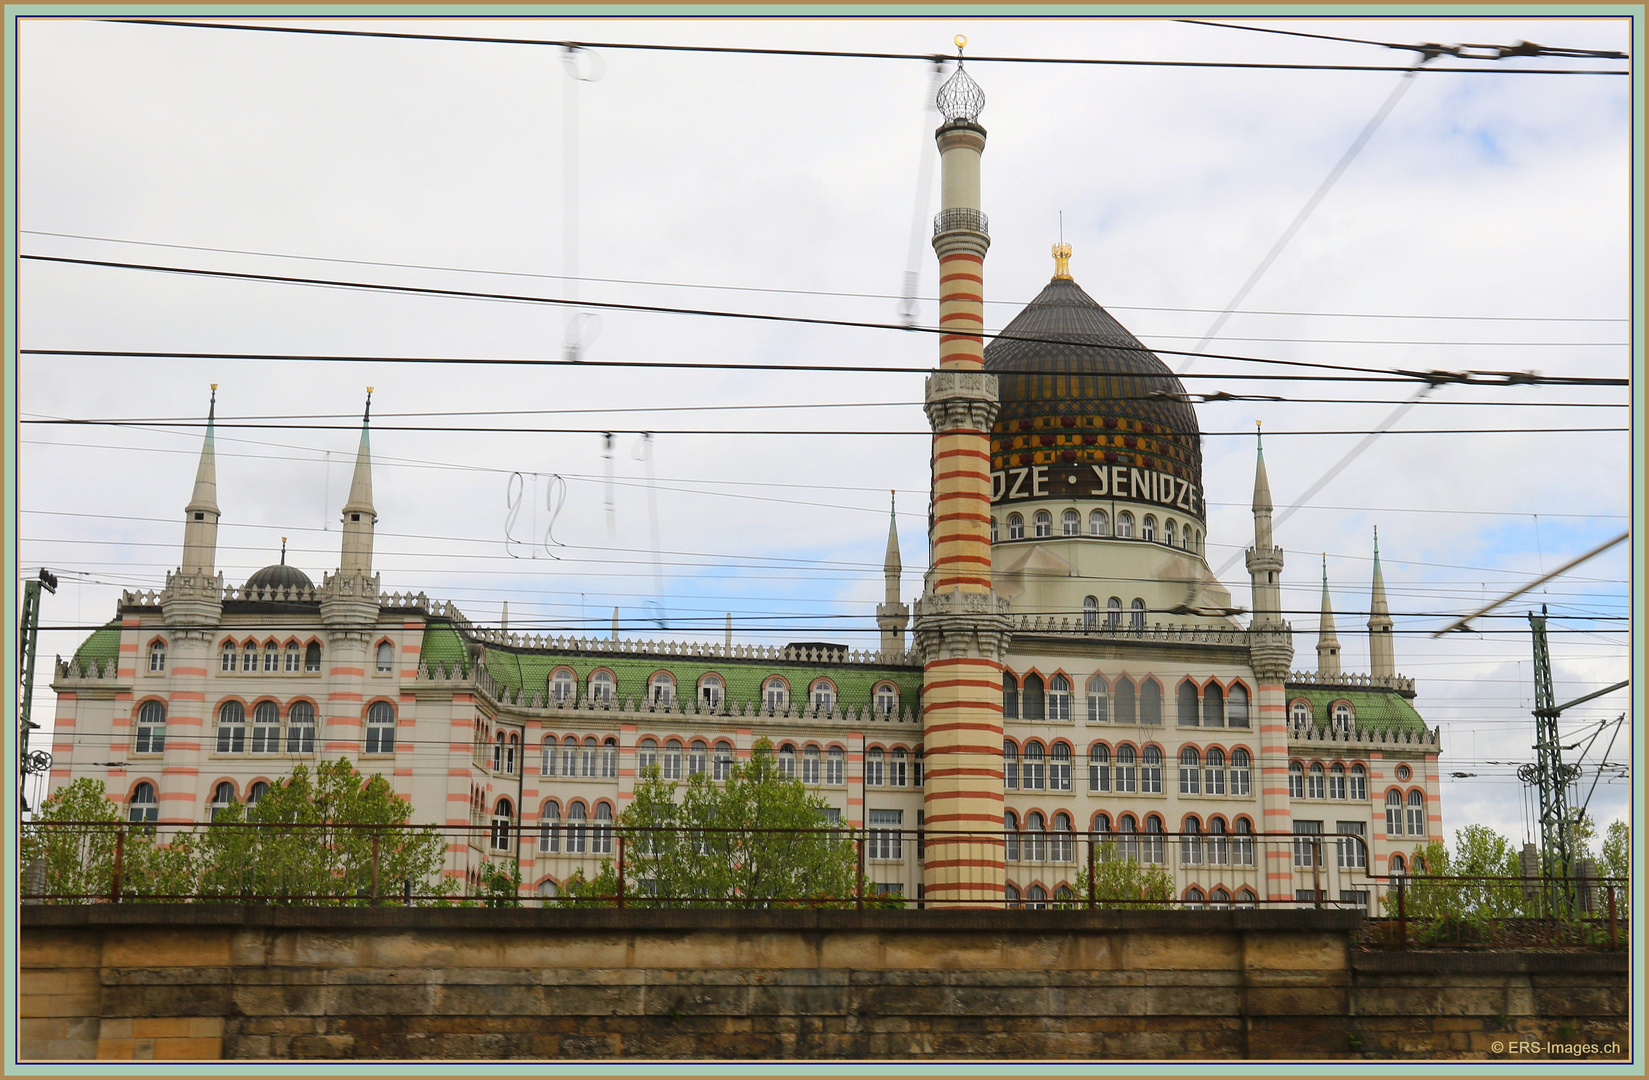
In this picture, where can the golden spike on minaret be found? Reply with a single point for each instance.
(1062, 262)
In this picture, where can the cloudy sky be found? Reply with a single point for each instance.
(1485, 225)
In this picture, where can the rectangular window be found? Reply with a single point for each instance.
(1213, 781)
(1305, 849)
(1059, 774)
(1354, 898)
(1126, 779)
(873, 770)
(896, 770)
(886, 843)
(1359, 784)
(271, 660)
(609, 762)
(294, 659)
(1034, 778)
(1099, 776)
(1240, 780)
(1190, 780)
(1352, 854)
(1099, 709)
(380, 738)
(151, 739)
(1150, 779)
(300, 739)
(810, 768)
(1307, 896)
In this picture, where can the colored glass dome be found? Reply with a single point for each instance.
(1078, 389)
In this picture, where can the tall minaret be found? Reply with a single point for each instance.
(891, 614)
(1328, 643)
(194, 594)
(359, 517)
(961, 627)
(1270, 652)
(1381, 658)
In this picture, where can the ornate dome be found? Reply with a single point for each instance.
(1079, 390)
(279, 576)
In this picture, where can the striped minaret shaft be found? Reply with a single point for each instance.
(961, 628)
(1271, 651)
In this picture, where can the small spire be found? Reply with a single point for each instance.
(615, 624)
(960, 98)
(1328, 642)
(1262, 483)
(283, 551)
(1062, 261)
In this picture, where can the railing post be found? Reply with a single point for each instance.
(377, 852)
(621, 870)
(120, 854)
(859, 891)
(1614, 925)
(1093, 890)
(1402, 916)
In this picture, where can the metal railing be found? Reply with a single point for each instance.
(1486, 912)
(961, 219)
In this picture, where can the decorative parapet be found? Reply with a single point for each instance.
(537, 702)
(1066, 626)
(139, 598)
(1426, 739)
(90, 671)
(273, 594)
(1353, 681)
(687, 650)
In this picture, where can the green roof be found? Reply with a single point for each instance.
(1373, 708)
(102, 646)
(530, 669)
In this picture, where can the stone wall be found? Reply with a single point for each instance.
(204, 981)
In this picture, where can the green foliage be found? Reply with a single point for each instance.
(710, 848)
(1123, 883)
(501, 884)
(1617, 851)
(77, 861)
(1444, 890)
(602, 891)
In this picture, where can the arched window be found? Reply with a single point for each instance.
(1296, 780)
(1219, 900)
(722, 765)
(875, 774)
(810, 764)
(1010, 697)
(1136, 613)
(151, 729)
(1417, 814)
(576, 834)
(503, 817)
(1190, 843)
(590, 759)
(249, 656)
(563, 683)
(1113, 612)
(602, 835)
(549, 827)
(1150, 703)
(226, 661)
(1314, 787)
(787, 759)
(1169, 536)
(1099, 524)
(835, 766)
(1150, 771)
(823, 693)
(1394, 813)
(1213, 773)
(609, 759)
(266, 728)
(993, 529)
(300, 728)
(1337, 781)
(380, 728)
(1010, 895)
(1044, 524)
(256, 792)
(1030, 698)
(1099, 829)
(1059, 767)
(223, 797)
(1193, 899)
(1359, 782)
(386, 658)
(775, 693)
(1070, 523)
(698, 757)
(1059, 698)
(646, 755)
(1398, 866)
(661, 690)
(1186, 704)
(1154, 850)
(1241, 772)
(294, 657)
(1213, 706)
(1062, 844)
(602, 685)
(1236, 707)
(1246, 898)
(1190, 772)
(1016, 527)
(1099, 768)
(1090, 613)
(1242, 845)
(672, 759)
(1034, 770)
(916, 771)
(1148, 527)
(1299, 712)
(312, 658)
(1218, 849)
(1099, 700)
(711, 691)
(898, 771)
(1034, 845)
(1123, 693)
(232, 728)
(1125, 525)
(1342, 714)
(1126, 772)
(569, 757)
(1010, 764)
(887, 699)
(157, 655)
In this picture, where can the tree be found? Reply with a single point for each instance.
(714, 844)
(79, 860)
(1121, 882)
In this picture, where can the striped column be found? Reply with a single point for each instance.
(961, 628)
(1271, 701)
(188, 726)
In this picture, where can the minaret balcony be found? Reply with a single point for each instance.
(961, 219)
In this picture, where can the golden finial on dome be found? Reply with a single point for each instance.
(1062, 262)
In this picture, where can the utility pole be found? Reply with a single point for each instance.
(39, 761)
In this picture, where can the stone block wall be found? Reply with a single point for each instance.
(202, 981)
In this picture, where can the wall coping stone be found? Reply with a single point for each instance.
(1291, 920)
(1488, 962)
